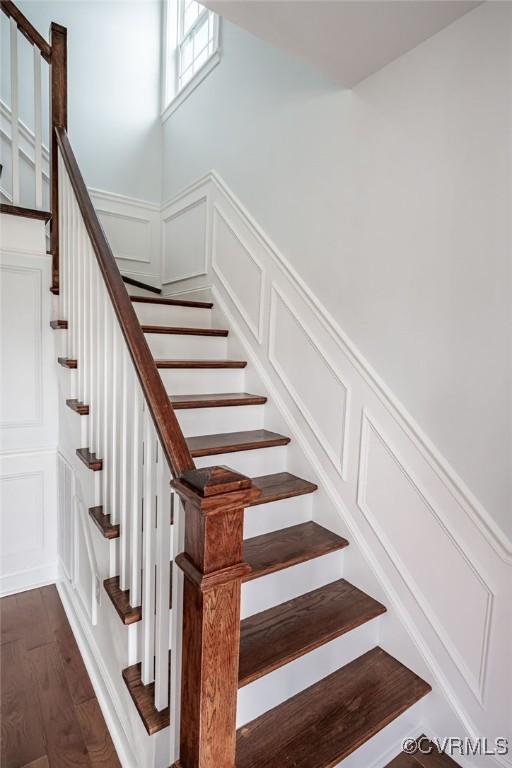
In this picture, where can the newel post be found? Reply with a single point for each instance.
(214, 501)
(58, 117)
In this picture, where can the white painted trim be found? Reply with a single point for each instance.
(145, 277)
(31, 451)
(138, 220)
(38, 575)
(477, 686)
(446, 473)
(257, 331)
(339, 461)
(165, 220)
(190, 87)
(106, 694)
(114, 197)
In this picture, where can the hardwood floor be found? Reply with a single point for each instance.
(49, 714)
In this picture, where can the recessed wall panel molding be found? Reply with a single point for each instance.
(184, 242)
(133, 230)
(21, 343)
(239, 270)
(309, 377)
(416, 535)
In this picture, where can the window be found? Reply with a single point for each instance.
(192, 49)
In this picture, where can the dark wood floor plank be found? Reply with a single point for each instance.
(42, 762)
(321, 726)
(20, 716)
(274, 551)
(65, 744)
(283, 633)
(10, 629)
(33, 619)
(77, 678)
(97, 738)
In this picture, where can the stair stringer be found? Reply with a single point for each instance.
(469, 697)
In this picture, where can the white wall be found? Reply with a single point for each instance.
(28, 412)
(392, 202)
(114, 89)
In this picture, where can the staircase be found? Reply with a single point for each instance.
(159, 404)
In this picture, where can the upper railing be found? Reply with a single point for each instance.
(54, 54)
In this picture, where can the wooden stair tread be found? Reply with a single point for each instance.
(281, 485)
(28, 213)
(121, 600)
(180, 402)
(201, 363)
(321, 726)
(175, 331)
(143, 697)
(272, 552)
(67, 362)
(230, 442)
(419, 760)
(89, 459)
(103, 523)
(283, 633)
(59, 325)
(173, 302)
(78, 407)
(138, 284)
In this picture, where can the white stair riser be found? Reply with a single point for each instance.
(386, 744)
(276, 588)
(165, 314)
(275, 515)
(262, 461)
(204, 421)
(272, 689)
(197, 381)
(165, 346)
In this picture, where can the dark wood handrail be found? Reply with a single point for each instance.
(27, 29)
(167, 426)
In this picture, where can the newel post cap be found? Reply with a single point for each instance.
(207, 485)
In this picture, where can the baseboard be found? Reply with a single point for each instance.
(105, 692)
(28, 578)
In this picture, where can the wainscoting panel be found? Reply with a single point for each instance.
(184, 243)
(239, 270)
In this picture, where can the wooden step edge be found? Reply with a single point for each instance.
(279, 486)
(121, 600)
(102, 522)
(78, 407)
(59, 325)
(176, 364)
(279, 635)
(243, 443)
(67, 362)
(332, 717)
(28, 213)
(138, 284)
(143, 696)
(89, 459)
(183, 402)
(284, 548)
(172, 302)
(176, 331)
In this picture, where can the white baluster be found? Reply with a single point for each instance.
(136, 495)
(15, 117)
(148, 545)
(163, 568)
(38, 132)
(125, 469)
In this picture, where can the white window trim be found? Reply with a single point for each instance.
(170, 62)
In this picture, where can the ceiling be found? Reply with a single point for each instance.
(344, 39)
